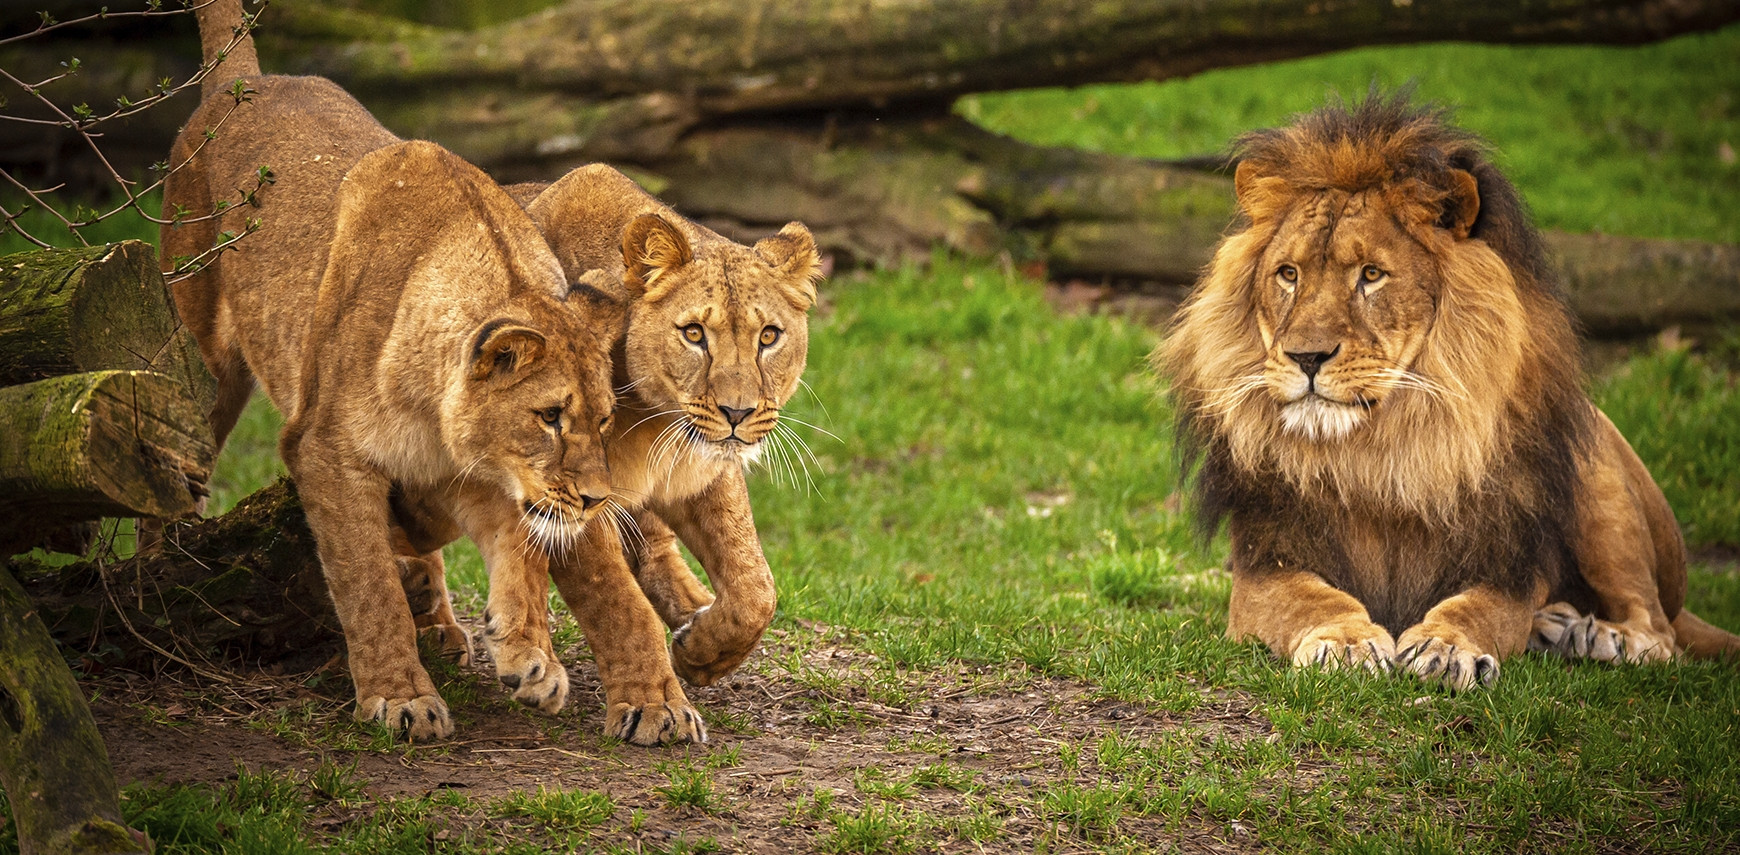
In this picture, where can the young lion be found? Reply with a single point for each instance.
(1381, 386)
(413, 327)
(713, 347)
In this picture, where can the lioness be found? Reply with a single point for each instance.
(713, 347)
(415, 330)
(1381, 386)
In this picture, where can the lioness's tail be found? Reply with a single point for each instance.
(220, 21)
(1702, 640)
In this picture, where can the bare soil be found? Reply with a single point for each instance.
(802, 718)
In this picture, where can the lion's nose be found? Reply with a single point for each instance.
(1312, 361)
(734, 415)
(590, 502)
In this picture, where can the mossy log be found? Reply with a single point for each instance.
(65, 311)
(53, 766)
(242, 587)
(104, 443)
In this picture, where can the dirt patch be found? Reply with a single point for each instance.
(809, 738)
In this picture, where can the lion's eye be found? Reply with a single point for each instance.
(604, 423)
(769, 335)
(1370, 273)
(551, 416)
(694, 334)
(1288, 275)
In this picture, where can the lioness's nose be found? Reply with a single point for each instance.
(734, 415)
(1310, 362)
(590, 502)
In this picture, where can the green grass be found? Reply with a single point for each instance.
(1626, 141)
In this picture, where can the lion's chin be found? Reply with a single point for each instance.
(732, 450)
(1321, 420)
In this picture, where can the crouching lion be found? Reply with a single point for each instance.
(418, 335)
(1379, 389)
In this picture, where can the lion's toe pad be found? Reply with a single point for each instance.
(700, 656)
(1365, 645)
(537, 680)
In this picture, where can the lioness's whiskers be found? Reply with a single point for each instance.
(803, 449)
(646, 419)
(817, 428)
(818, 398)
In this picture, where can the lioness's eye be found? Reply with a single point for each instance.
(769, 335)
(551, 416)
(694, 334)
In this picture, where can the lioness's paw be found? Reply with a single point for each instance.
(537, 679)
(416, 719)
(1560, 628)
(702, 654)
(1350, 644)
(423, 593)
(655, 723)
(1435, 660)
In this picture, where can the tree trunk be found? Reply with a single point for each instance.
(106, 443)
(101, 307)
(244, 586)
(53, 766)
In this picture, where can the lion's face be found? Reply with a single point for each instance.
(532, 413)
(1344, 300)
(719, 337)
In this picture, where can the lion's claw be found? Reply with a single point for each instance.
(1560, 628)
(655, 723)
(1459, 668)
(700, 658)
(417, 719)
(1363, 645)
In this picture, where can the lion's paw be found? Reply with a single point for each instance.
(1435, 660)
(418, 719)
(700, 656)
(450, 641)
(1560, 628)
(424, 590)
(537, 679)
(1361, 644)
(671, 720)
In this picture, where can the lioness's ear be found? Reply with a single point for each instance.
(1259, 195)
(792, 253)
(502, 347)
(651, 248)
(1462, 205)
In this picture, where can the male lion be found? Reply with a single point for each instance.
(1380, 388)
(713, 347)
(415, 330)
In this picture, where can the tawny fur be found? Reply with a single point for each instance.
(1378, 388)
(415, 330)
(676, 459)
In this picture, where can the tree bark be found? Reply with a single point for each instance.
(106, 443)
(245, 586)
(95, 308)
(53, 766)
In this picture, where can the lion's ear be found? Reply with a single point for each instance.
(792, 253)
(1462, 205)
(502, 348)
(651, 249)
(1259, 195)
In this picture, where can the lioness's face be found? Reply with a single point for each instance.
(1344, 299)
(533, 412)
(722, 337)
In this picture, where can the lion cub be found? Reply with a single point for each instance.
(714, 345)
(415, 330)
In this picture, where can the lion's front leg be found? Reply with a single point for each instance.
(347, 512)
(644, 703)
(718, 526)
(516, 621)
(1306, 621)
(1461, 641)
(663, 575)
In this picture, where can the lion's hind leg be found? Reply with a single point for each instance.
(1560, 628)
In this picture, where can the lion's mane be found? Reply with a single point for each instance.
(1482, 475)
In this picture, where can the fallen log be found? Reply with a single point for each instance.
(65, 311)
(53, 766)
(104, 443)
